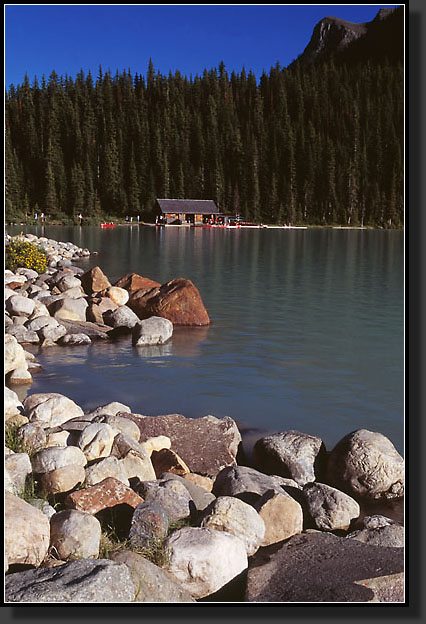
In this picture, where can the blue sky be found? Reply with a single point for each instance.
(188, 38)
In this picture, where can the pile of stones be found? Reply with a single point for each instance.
(289, 528)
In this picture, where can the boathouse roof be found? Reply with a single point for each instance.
(188, 206)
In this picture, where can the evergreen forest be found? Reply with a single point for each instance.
(319, 144)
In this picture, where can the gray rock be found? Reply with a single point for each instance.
(121, 317)
(108, 467)
(366, 465)
(50, 332)
(95, 331)
(329, 509)
(75, 339)
(152, 331)
(149, 525)
(320, 567)
(123, 425)
(33, 436)
(41, 321)
(110, 409)
(26, 532)
(22, 334)
(290, 454)
(67, 282)
(152, 584)
(81, 581)
(373, 522)
(56, 457)
(51, 408)
(390, 536)
(245, 483)
(199, 496)
(173, 497)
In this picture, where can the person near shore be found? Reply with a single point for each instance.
(80, 216)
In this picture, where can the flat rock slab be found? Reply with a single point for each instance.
(95, 331)
(84, 580)
(206, 444)
(320, 567)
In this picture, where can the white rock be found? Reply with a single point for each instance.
(14, 354)
(63, 479)
(20, 375)
(18, 467)
(96, 440)
(117, 295)
(70, 309)
(204, 560)
(12, 404)
(156, 443)
(75, 535)
(27, 532)
(59, 438)
(51, 408)
(232, 515)
(17, 305)
(57, 457)
(108, 467)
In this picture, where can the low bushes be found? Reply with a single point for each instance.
(25, 254)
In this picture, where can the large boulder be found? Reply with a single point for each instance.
(56, 457)
(51, 408)
(204, 560)
(152, 331)
(82, 581)
(94, 280)
(179, 301)
(292, 454)
(232, 515)
(366, 465)
(107, 467)
(206, 444)
(328, 508)
(12, 404)
(320, 567)
(17, 467)
(172, 496)
(153, 584)
(62, 479)
(27, 532)
(75, 534)
(133, 282)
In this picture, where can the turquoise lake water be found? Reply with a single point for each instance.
(307, 329)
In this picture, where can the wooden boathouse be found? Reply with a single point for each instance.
(188, 212)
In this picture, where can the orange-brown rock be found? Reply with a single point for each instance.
(167, 460)
(133, 282)
(104, 495)
(94, 280)
(179, 301)
(138, 300)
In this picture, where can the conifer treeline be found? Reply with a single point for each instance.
(321, 144)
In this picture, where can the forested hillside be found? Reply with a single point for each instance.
(319, 144)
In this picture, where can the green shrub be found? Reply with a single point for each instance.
(24, 254)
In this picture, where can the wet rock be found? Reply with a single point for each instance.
(75, 339)
(366, 465)
(292, 454)
(204, 560)
(319, 567)
(152, 331)
(82, 581)
(180, 302)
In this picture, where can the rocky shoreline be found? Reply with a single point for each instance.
(114, 506)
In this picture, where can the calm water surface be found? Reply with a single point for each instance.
(306, 333)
